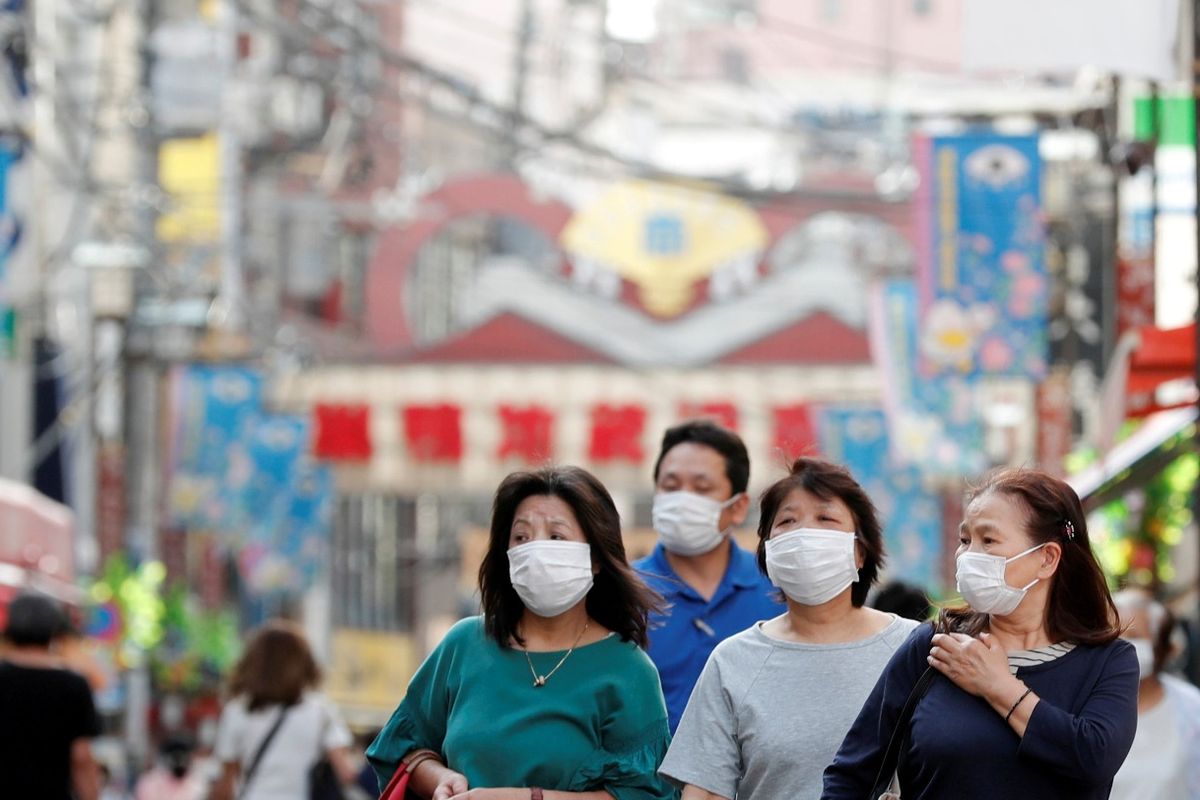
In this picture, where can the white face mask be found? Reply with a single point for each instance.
(550, 576)
(981, 582)
(688, 524)
(1144, 650)
(812, 565)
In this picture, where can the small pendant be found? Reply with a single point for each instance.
(539, 681)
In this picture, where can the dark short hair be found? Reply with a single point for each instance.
(827, 480)
(276, 667)
(727, 443)
(1080, 608)
(35, 620)
(618, 600)
(178, 742)
(905, 600)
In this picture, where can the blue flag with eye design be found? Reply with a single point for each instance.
(981, 263)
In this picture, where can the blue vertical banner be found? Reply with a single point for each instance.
(258, 497)
(215, 408)
(933, 422)
(908, 507)
(284, 509)
(248, 476)
(302, 539)
(982, 266)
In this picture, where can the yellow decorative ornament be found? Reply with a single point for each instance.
(664, 239)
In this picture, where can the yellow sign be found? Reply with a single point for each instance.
(190, 172)
(369, 671)
(665, 239)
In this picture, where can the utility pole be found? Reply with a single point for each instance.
(228, 315)
(49, 204)
(520, 80)
(1111, 126)
(117, 266)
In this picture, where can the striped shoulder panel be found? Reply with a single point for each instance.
(1037, 655)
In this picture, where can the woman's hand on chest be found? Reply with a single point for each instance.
(978, 666)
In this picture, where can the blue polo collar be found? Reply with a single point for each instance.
(742, 571)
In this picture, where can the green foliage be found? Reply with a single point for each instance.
(186, 647)
(1134, 536)
(200, 646)
(137, 594)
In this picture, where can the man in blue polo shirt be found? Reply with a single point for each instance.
(713, 587)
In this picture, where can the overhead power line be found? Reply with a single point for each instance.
(500, 113)
(842, 44)
(496, 117)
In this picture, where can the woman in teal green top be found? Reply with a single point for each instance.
(548, 695)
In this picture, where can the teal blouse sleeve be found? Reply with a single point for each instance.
(634, 739)
(420, 719)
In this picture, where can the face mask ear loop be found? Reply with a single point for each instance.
(727, 530)
(1025, 553)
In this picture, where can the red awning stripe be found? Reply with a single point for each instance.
(1166, 349)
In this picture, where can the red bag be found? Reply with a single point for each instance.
(397, 788)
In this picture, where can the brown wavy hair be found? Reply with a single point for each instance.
(827, 480)
(618, 600)
(276, 667)
(1080, 608)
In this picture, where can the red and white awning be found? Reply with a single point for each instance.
(1152, 370)
(36, 543)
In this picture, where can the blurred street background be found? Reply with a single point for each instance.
(288, 286)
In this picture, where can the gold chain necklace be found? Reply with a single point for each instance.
(540, 680)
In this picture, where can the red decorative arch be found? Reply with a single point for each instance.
(396, 252)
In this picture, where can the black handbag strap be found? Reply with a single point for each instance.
(891, 758)
(262, 749)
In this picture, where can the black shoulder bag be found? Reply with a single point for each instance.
(891, 757)
(323, 780)
(262, 749)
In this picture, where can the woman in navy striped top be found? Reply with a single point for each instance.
(1033, 695)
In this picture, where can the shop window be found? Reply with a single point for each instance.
(374, 570)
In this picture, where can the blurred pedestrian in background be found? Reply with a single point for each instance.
(712, 586)
(548, 694)
(366, 778)
(111, 786)
(172, 776)
(903, 599)
(1035, 653)
(277, 728)
(1164, 762)
(47, 715)
(774, 701)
